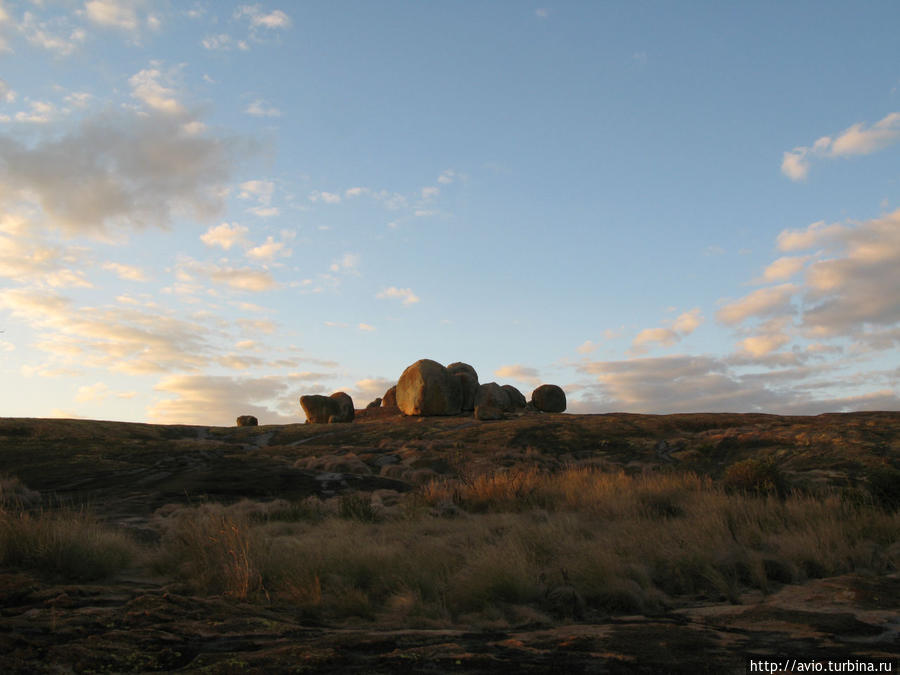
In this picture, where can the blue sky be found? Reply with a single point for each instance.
(209, 209)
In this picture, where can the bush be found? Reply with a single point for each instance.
(756, 476)
(884, 486)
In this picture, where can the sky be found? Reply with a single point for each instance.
(208, 209)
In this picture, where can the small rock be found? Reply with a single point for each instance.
(247, 421)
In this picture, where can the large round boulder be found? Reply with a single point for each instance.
(468, 383)
(549, 398)
(491, 402)
(327, 409)
(247, 421)
(516, 397)
(427, 388)
(389, 400)
(346, 411)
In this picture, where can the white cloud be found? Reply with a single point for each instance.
(126, 272)
(761, 345)
(447, 177)
(765, 302)
(430, 192)
(276, 19)
(7, 95)
(365, 327)
(120, 338)
(347, 263)
(587, 347)
(404, 294)
(116, 170)
(146, 87)
(258, 108)
(40, 112)
(242, 278)
(783, 268)
(268, 251)
(41, 35)
(225, 235)
(223, 42)
(27, 258)
(326, 197)
(119, 14)
(858, 139)
(520, 373)
(672, 332)
(260, 190)
(219, 400)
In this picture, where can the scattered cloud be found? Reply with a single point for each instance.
(276, 19)
(669, 334)
(858, 139)
(394, 293)
(116, 170)
(520, 373)
(39, 112)
(765, 302)
(119, 14)
(430, 192)
(259, 108)
(224, 42)
(326, 197)
(126, 272)
(225, 235)
(242, 278)
(7, 95)
(783, 269)
(59, 39)
(268, 251)
(146, 86)
(219, 400)
(367, 328)
(346, 263)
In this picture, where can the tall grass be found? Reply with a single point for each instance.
(66, 543)
(522, 540)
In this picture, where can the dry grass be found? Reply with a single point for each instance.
(66, 543)
(521, 541)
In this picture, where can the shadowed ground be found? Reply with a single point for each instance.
(141, 622)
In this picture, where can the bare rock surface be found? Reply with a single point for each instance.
(426, 388)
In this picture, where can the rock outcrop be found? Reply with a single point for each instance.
(247, 421)
(468, 383)
(389, 400)
(491, 402)
(516, 397)
(374, 404)
(549, 398)
(328, 409)
(427, 388)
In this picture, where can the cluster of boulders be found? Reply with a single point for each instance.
(426, 388)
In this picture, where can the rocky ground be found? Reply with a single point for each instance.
(125, 472)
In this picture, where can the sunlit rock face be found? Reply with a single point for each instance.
(549, 398)
(327, 409)
(389, 400)
(428, 388)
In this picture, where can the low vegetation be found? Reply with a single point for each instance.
(522, 547)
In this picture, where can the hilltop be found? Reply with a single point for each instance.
(386, 477)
